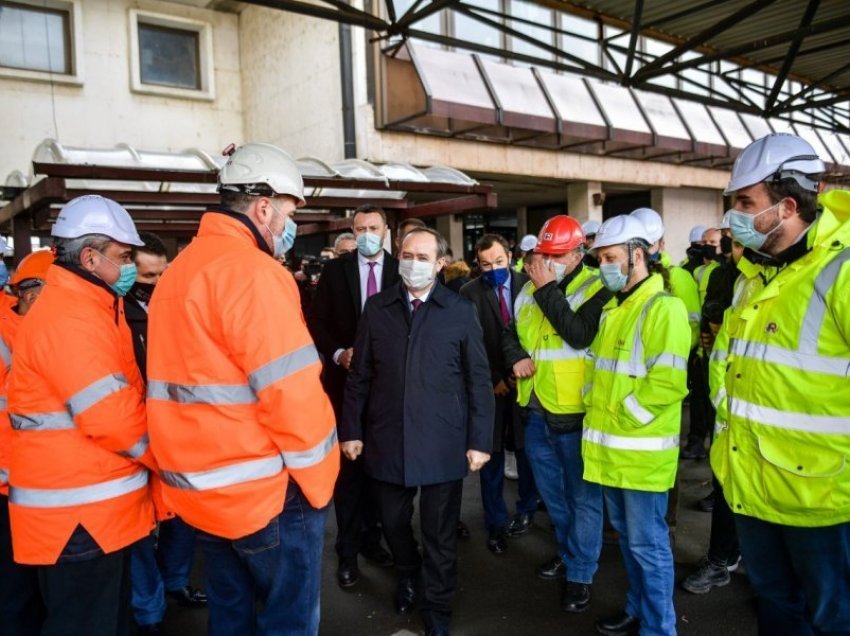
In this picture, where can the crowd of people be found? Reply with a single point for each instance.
(222, 402)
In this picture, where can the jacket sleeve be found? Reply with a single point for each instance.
(267, 338)
(321, 317)
(359, 380)
(577, 328)
(684, 287)
(478, 386)
(717, 372)
(511, 348)
(666, 344)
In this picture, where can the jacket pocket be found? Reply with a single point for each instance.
(799, 478)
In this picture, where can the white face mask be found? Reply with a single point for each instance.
(416, 274)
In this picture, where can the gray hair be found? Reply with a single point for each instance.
(345, 236)
(68, 250)
(442, 243)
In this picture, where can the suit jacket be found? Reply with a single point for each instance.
(335, 312)
(137, 320)
(485, 301)
(423, 383)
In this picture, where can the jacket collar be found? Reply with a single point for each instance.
(440, 295)
(648, 287)
(221, 220)
(81, 283)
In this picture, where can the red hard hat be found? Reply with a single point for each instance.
(559, 235)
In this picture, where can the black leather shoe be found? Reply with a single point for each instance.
(693, 451)
(576, 597)
(706, 504)
(189, 597)
(519, 525)
(620, 625)
(347, 573)
(462, 530)
(496, 542)
(376, 555)
(405, 596)
(552, 569)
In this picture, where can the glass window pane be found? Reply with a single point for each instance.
(533, 13)
(471, 30)
(430, 24)
(34, 39)
(169, 57)
(586, 47)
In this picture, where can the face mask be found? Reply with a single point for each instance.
(416, 274)
(726, 245)
(126, 276)
(496, 277)
(655, 257)
(560, 269)
(710, 252)
(283, 243)
(694, 251)
(142, 291)
(744, 228)
(613, 277)
(369, 244)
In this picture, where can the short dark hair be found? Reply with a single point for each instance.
(489, 240)
(442, 243)
(370, 208)
(410, 224)
(152, 245)
(807, 200)
(236, 201)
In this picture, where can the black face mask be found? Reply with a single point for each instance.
(142, 291)
(710, 252)
(694, 251)
(726, 245)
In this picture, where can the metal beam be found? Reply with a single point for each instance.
(450, 206)
(364, 20)
(50, 190)
(806, 20)
(841, 96)
(809, 88)
(630, 56)
(689, 12)
(409, 18)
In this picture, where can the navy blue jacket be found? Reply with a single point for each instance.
(424, 385)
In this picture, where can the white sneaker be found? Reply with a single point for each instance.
(510, 466)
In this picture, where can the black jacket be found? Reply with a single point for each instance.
(419, 393)
(137, 320)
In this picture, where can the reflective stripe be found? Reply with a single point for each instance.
(226, 475)
(803, 422)
(668, 360)
(5, 353)
(202, 393)
(4, 403)
(816, 311)
(55, 421)
(637, 343)
(620, 366)
(795, 359)
(718, 399)
(563, 353)
(694, 317)
(718, 355)
(719, 428)
(95, 392)
(138, 449)
(630, 443)
(4, 476)
(283, 366)
(586, 389)
(638, 412)
(312, 456)
(62, 497)
(576, 298)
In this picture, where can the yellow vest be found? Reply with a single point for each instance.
(701, 276)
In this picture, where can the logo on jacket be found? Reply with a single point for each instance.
(771, 328)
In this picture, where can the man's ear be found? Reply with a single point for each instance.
(441, 263)
(87, 259)
(788, 208)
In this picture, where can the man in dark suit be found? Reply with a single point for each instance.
(345, 285)
(493, 294)
(420, 376)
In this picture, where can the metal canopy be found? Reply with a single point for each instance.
(706, 47)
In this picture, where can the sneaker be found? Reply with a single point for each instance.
(706, 577)
(738, 562)
(706, 504)
(693, 451)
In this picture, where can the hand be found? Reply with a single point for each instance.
(540, 273)
(501, 389)
(345, 358)
(706, 340)
(476, 459)
(351, 449)
(511, 381)
(524, 368)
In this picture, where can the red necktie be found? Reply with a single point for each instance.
(503, 306)
(416, 304)
(371, 281)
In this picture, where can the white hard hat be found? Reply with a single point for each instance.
(261, 169)
(651, 221)
(696, 233)
(724, 223)
(590, 227)
(94, 214)
(776, 156)
(528, 243)
(4, 247)
(618, 230)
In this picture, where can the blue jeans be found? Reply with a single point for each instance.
(574, 505)
(639, 518)
(492, 490)
(278, 567)
(800, 575)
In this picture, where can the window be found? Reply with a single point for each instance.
(38, 41)
(472, 30)
(532, 13)
(583, 38)
(171, 56)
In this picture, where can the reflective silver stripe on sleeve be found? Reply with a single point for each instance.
(55, 421)
(619, 442)
(667, 360)
(718, 355)
(694, 317)
(312, 456)
(5, 353)
(816, 311)
(802, 422)
(719, 427)
(138, 449)
(95, 392)
(795, 359)
(718, 399)
(4, 403)
(62, 497)
(638, 412)
(283, 366)
(4, 476)
(226, 475)
(201, 394)
(563, 353)
(620, 366)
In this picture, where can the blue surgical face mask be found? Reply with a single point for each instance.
(283, 243)
(369, 244)
(744, 227)
(126, 276)
(613, 277)
(655, 257)
(496, 277)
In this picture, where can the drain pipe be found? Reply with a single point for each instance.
(347, 79)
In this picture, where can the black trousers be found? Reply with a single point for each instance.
(702, 410)
(356, 510)
(723, 546)
(21, 610)
(439, 513)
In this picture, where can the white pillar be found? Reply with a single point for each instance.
(580, 203)
(682, 209)
(451, 227)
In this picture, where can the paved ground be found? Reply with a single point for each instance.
(501, 596)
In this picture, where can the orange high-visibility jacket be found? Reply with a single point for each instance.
(9, 321)
(79, 442)
(235, 403)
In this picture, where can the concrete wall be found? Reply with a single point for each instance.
(103, 111)
(683, 208)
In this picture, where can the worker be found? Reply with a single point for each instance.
(781, 458)
(240, 424)
(78, 477)
(6, 300)
(635, 384)
(524, 247)
(21, 610)
(694, 251)
(590, 228)
(711, 258)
